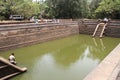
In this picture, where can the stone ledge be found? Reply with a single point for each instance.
(105, 69)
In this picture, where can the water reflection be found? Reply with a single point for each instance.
(70, 58)
(99, 43)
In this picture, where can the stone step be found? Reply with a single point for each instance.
(8, 70)
(8, 76)
(1, 67)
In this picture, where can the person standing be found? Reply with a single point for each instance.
(12, 59)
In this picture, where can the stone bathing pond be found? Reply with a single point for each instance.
(70, 58)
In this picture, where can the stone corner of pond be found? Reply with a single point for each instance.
(108, 69)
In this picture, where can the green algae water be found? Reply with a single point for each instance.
(70, 58)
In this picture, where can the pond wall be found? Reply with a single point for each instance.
(16, 35)
(88, 27)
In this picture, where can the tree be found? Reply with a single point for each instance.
(8, 6)
(109, 8)
(67, 8)
(27, 8)
(93, 6)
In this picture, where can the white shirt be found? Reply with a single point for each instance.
(105, 19)
(12, 58)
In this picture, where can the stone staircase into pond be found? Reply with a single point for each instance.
(8, 70)
(99, 30)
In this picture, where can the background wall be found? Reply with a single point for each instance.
(88, 27)
(18, 35)
(14, 36)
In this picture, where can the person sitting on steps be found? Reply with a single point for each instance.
(12, 59)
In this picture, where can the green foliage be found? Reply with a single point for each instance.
(93, 6)
(20, 7)
(2, 18)
(28, 9)
(67, 8)
(109, 8)
(60, 8)
(7, 7)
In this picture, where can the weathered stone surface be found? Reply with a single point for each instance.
(112, 29)
(28, 36)
(18, 35)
